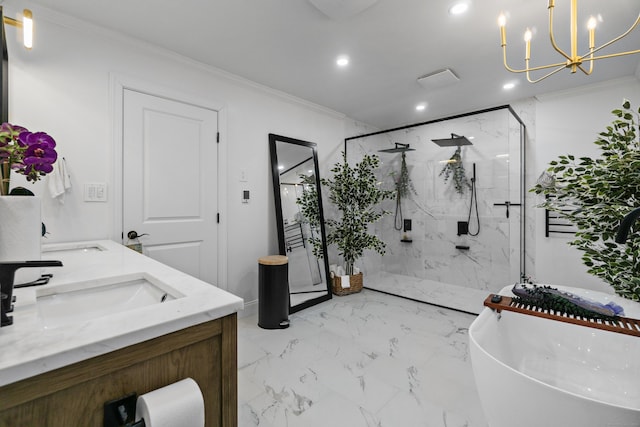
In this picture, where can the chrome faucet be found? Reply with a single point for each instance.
(7, 276)
(625, 225)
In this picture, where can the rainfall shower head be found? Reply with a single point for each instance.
(399, 148)
(454, 141)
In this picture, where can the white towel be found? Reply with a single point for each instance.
(345, 282)
(59, 179)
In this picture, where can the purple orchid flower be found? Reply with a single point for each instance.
(9, 135)
(40, 154)
(28, 153)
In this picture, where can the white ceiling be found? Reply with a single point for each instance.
(291, 46)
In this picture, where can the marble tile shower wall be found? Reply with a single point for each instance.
(493, 257)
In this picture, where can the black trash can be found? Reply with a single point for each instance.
(273, 292)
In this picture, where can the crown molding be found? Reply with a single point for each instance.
(81, 26)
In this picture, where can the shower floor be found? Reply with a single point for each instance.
(443, 294)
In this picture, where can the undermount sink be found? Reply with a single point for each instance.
(83, 301)
(72, 248)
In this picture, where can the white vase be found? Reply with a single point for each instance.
(21, 233)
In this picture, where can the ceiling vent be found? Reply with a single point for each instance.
(438, 79)
(342, 9)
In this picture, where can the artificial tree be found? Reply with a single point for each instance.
(356, 193)
(594, 194)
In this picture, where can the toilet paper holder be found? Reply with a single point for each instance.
(121, 412)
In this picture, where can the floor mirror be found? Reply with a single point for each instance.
(294, 166)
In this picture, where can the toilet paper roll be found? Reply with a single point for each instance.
(21, 234)
(179, 404)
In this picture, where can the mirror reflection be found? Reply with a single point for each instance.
(300, 220)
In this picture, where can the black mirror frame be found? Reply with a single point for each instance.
(275, 173)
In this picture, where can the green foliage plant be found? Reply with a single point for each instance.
(310, 211)
(356, 193)
(455, 169)
(404, 185)
(595, 194)
(404, 188)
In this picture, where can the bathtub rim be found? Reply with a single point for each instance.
(486, 312)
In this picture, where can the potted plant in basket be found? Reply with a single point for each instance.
(356, 193)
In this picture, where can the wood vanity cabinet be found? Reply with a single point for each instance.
(75, 394)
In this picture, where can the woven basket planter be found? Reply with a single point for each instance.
(355, 285)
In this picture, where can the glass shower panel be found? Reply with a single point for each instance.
(469, 238)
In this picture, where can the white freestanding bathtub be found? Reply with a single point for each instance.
(535, 372)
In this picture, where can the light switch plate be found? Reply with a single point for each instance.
(95, 192)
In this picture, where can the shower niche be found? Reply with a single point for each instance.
(466, 207)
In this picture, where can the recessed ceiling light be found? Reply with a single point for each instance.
(421, 107)
(509, 86)
(459, 8)
(342, 61)
(280, 167)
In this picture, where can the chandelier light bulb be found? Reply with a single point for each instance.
(502, 20)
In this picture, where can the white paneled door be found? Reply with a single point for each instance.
(170, 184)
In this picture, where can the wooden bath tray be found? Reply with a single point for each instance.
(621, 325)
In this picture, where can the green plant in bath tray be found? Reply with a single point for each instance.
(594, 194)
(454, 168)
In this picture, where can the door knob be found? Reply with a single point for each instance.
(134, 234)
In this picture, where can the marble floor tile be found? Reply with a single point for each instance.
(443, 294)
(368, 359)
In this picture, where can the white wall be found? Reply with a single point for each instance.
(569, 122)
(62, 87)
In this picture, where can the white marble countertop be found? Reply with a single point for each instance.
(28, 348)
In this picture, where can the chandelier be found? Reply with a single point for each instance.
(572, 60)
